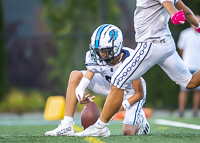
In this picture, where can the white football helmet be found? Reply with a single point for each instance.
(106, 38)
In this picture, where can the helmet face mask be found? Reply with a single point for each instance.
(104, 54)
(106, 44)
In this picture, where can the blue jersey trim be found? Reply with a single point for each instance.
(127, 63)
(136, 112)
(91, 64)
(138, 65)
(127, 54)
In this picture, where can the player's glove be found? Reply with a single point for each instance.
(198, 28)
(178, 17)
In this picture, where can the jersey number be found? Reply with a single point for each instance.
(108, 78)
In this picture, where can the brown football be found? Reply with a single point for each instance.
(89, 115)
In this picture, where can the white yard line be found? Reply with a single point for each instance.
(176, 124)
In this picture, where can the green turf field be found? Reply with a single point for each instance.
(159, 133)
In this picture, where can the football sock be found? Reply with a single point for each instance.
(100, 124)
(67, 120)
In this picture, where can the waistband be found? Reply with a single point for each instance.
(164, 39)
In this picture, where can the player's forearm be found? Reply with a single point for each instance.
(135, 98)
(89, 74)
(80, 89)
(191, 18)
(169, 6)
(189, 15)
(126, 104)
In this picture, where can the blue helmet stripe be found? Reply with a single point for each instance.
(99, 35)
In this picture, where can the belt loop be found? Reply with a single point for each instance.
(162, 41)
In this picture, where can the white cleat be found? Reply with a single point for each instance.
(93, 131)
(61, 130)
(145, 127)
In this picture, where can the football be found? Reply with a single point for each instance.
(89, 115)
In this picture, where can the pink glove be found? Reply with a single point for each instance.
(198, 28)
(178, 17)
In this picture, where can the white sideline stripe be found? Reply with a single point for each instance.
(176, 124)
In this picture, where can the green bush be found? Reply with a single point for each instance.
(20, 101)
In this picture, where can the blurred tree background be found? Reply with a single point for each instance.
(43, 41)
(71, 23)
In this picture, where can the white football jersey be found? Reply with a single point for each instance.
(106, 71)
(151, 22)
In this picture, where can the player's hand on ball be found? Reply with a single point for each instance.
(86, 99)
